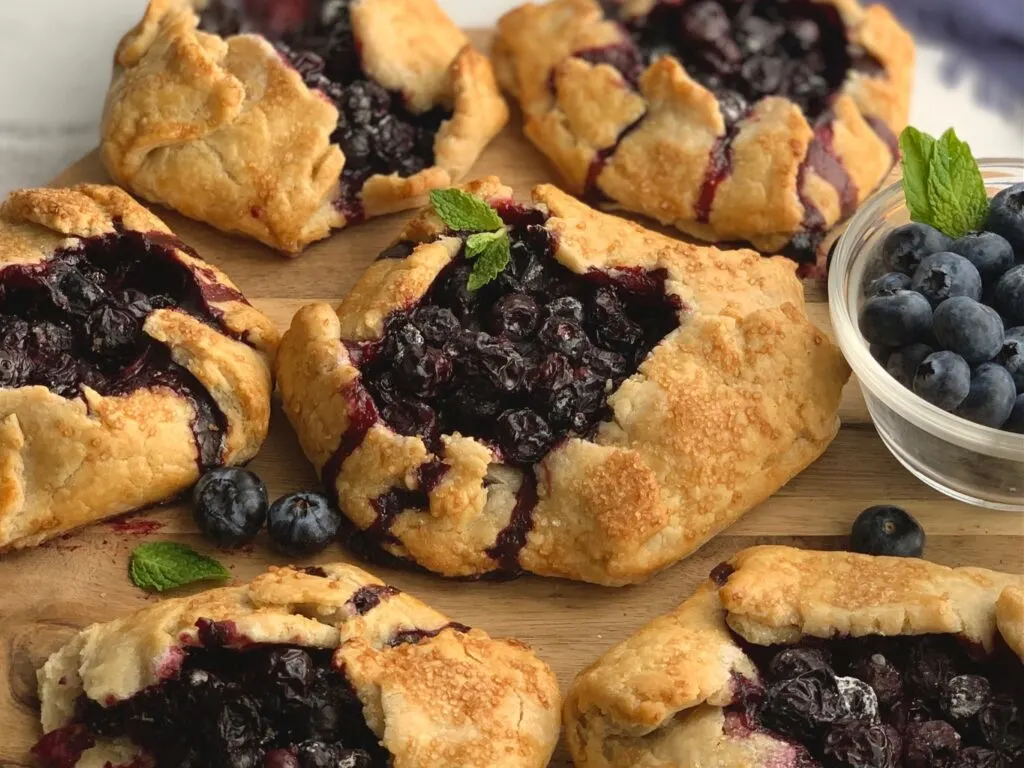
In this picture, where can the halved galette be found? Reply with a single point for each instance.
(285, 119)
(764, 121)
(596, 408)
(798, 659)
(320, 667)
(128, 365)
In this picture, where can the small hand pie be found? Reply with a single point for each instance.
(128, 365)
(756, 120)
(324, 667)
(612, 400)
(795, 659)
(285, 119)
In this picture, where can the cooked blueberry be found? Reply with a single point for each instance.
(906, 247)
(1006, 215)
(887, 530)
(525, 437)
(970, 329)
(859, 700)
(943, 379)
(366, 101)
(425, 374)
(932, 744)
(990, 253)
(281, 758)
(888, 284)
(15, 367)
(229, 505)
(1016, 421)
(75, 293)
(902, 363)
(929, 669)
(882, 675)
(437, 324)
(1009, 295)
(1002, 726)
(1011, 356)
(302, 523)
(804, 707)
(862, 745)
(515, 315)
(564, 336)
(964, 696)
(991, 398)
(793, 662)
(566, 306)
(896, 319)
(112, 331)
(946, 274)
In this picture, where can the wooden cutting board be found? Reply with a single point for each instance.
(50, 592)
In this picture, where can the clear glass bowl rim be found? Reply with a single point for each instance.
(869, 372)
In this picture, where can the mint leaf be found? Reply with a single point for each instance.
(463, 212)
(956, 189)
(162, 565)
(917, 149)
(491, 258)
(478, 243)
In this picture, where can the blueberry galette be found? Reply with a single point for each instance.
(758, 120)
(323, 667)
(284, 119)
(604, 405)
(796, 659)
(127, 364)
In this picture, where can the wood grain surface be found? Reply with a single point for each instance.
(50, 592)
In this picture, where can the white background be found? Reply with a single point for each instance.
(55, 60)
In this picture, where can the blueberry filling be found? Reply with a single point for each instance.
(900, 702)
(267, 706)
(744, 51)
(376, 130)
(77, 319)
(521, 364)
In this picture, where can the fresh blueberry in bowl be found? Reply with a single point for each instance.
(1011, 356)
(902, 363)
(1009, 295)
(906, 247)
(944, 275)
(887, 530)
(888, 284)
(991, 397)
(1006, 215)
(229, 506)
(971, 329)
(302, 523)
(943, 379)
(896, 319)
(1016, 421)
(991, 254)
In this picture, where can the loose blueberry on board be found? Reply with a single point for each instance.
(887, 530)
(1011, 356)
(888, 284)
(905, 247)
(990, 400)
(1006, 216)
(971, 329)
(943, 379)
(902, 364)
(991, 254)
(229, 506)
(1009, 295)
(946, 274)
(302, 523)
(896, 319)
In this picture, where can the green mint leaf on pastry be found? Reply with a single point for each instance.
(492, 254)
(162, 565)
(463, 212)
(942, 182)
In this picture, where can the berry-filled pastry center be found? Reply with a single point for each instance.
(76, 320)
(899, 702)
(376, 130)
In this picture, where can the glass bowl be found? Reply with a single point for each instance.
(976, 464)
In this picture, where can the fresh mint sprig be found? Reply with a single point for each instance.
(162, 565)
(942, 182)
(488, 246)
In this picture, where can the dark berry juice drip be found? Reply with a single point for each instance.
(885, 133)
(512, 538)
(369, 597)
(415, 636)
(233, 709)
(376, 131)
(362, 414)
(590, 188)
(718, 170)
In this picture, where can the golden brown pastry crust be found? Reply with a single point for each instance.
(576, 112)
(720, 415)
(460, 699)
(656, 700)
(224, 131)
(65, 463)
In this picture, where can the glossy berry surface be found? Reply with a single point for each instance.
(266, 706)
(302, 523)
(887, 530)
(944, 275)
(229, 505)
(943, 379)
(1006, 216)
(77, 320)
(377, 131)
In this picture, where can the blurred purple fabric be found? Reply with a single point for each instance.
(986, 33)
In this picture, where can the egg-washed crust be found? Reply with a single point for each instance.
(720, 415)
(65, 463)
(226, 132)
(459, 699)
(576, 112)
(656, 700)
